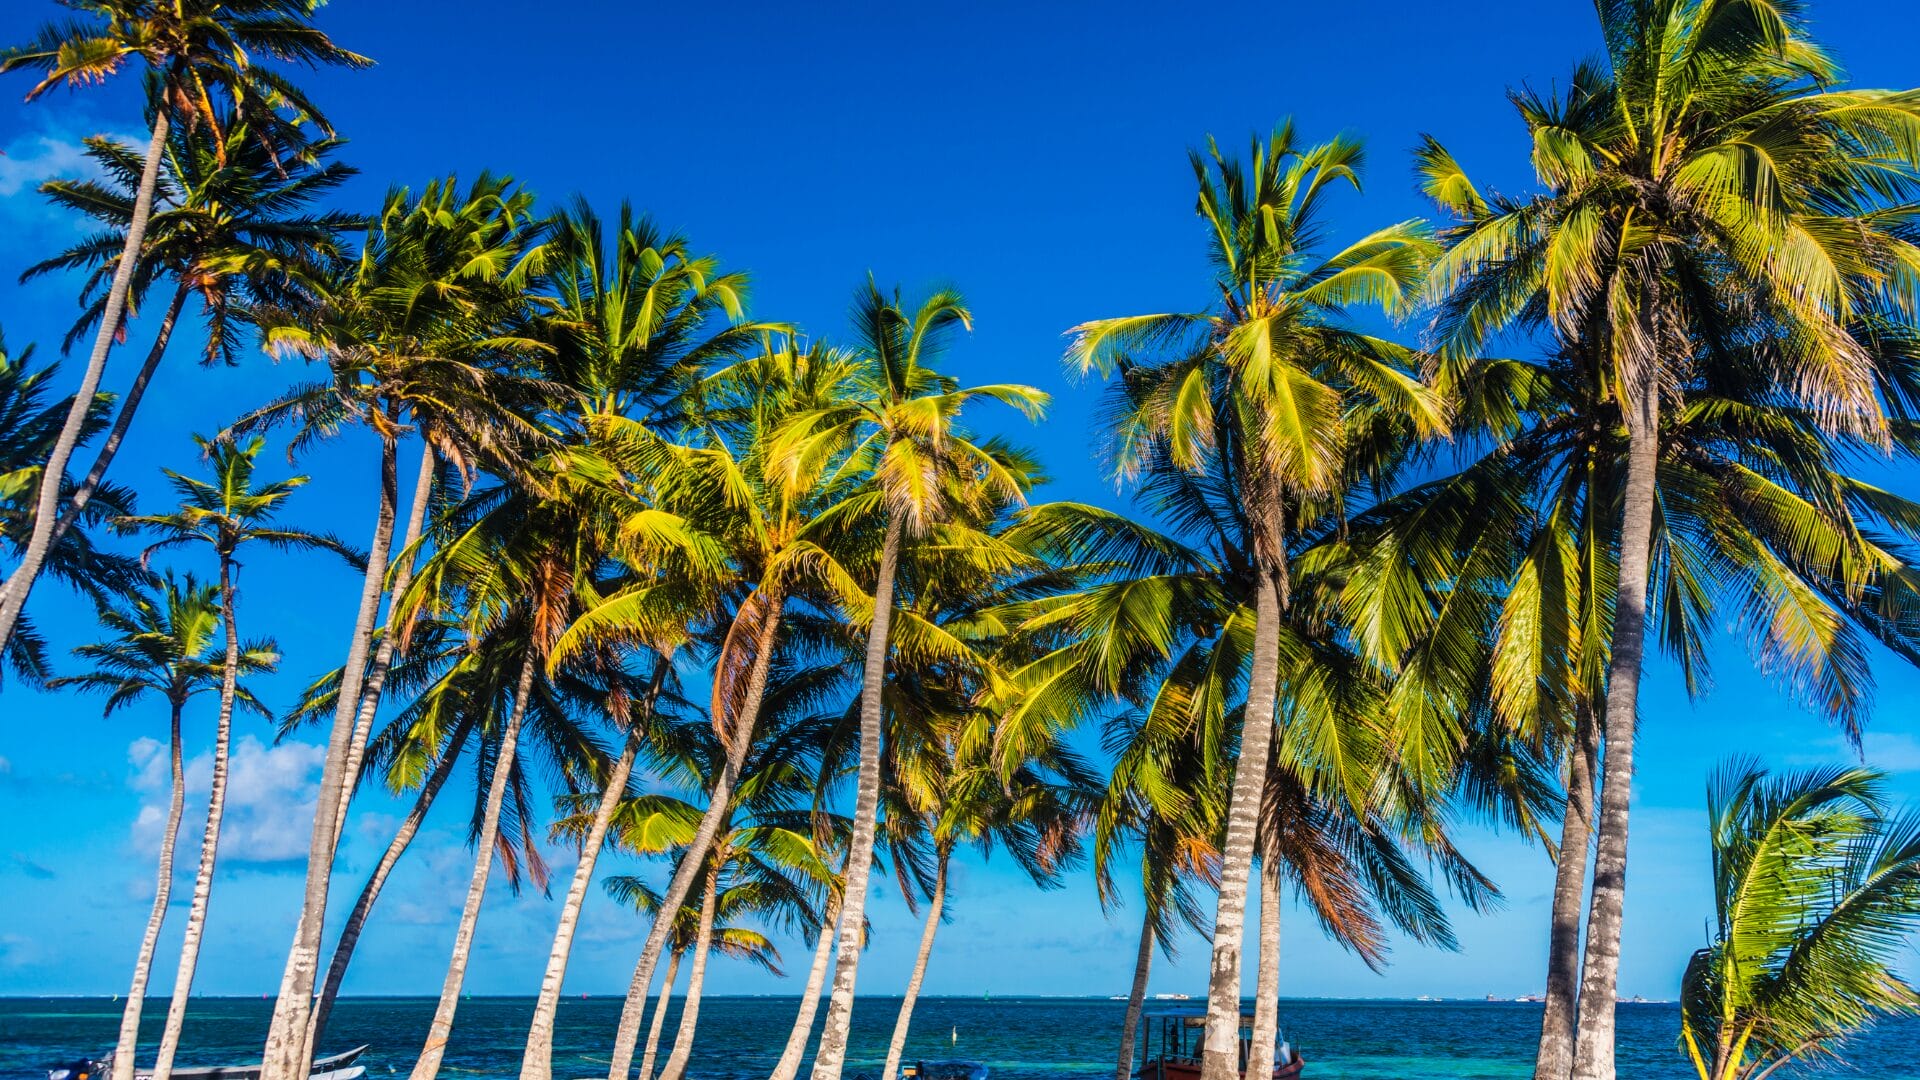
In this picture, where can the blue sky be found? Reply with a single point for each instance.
(1033, 155)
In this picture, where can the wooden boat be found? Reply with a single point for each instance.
(1173, 1036)
(337, 1067)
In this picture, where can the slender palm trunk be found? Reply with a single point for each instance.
(1266, 992)
(1220, 1056)
(789, 1064)
(537, 1062)
(719, 803)
(363, 907)
(1136, 997)
(47, 500)
(210, 842)
(122, 420)
(676, 1066)
(286, 1055)
(128, 1046)
(1593, 1050)
(376, 677)
(904, 1023)
(831, 1057)
(1555, 1059)
(436, 1048)
(660, 1016)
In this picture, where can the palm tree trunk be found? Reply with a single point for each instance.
(376, 677)
(1593, 1050)
(1136, 998)
(900, 1026)
(210, 842)
(122, 420)
(1555, 1059)
(436, 1048)
(376, 881)
(789, 1064)
(831, 1057)
(660, 1016)
(1220, 1058)
(676, 1066)
(719, 803)
(1266, 992)
(537, 1062)
(128, 1046)
(286, 1055)
(47, 500)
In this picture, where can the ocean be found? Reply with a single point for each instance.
(1017, 1038)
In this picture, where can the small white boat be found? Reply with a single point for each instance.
(337, 1067)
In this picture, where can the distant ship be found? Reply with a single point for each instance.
(1173, 997)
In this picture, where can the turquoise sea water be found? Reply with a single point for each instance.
(1018, 1038)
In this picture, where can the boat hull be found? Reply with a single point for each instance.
(1190, 1070)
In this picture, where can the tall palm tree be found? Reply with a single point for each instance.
(1278, 370)
(416, 334)
(1695, 187)
(163, 646)
(1816, 891)
(29, 426)
(233, 226)
(631, 319)
(225, 513)
(901, 426)
(200, 55)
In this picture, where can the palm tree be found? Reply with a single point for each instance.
(225, 513)
(162, 646)
(1709, 180)
(416, 335)
(196, 51)
(29, 427)
(628, 331)
(230, 227)
(901, 425)
(1816, 892)
(1278, 371)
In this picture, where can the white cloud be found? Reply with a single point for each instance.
(270, 799)
(34, 159)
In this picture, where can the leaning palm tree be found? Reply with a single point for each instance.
(30, 425)
(225, 513)
(416, 335)
(900, 426)
(163, 646)
(1277, 370)
(200, 54)
(1709, 181)
(233, 226)
(1816, 892)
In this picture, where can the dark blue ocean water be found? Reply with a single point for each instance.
(1019, 1038)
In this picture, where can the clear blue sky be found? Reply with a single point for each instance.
(1034, 155)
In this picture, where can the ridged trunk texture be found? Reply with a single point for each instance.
(210, 842)
(676, 1066)
(796, 1048)
(659, 1016)
(719, 802)
(129, 1042)
(1136, 998)
(537, 1062)
(286, 1055)
(1266, 992)
(46, 507)
(904, 1022)
(831, 1057)
(1593, 1049)
(376, 881)
(1557, 1022)
(442, 1028)
(1220, 1057)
